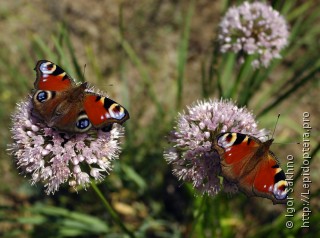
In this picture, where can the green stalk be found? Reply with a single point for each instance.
(245, 69)
(291, 90)
(252, 83)
(115, 217)
(141, 69)
(183, 52)
(198, 215)
(77, 67)
(214, 72)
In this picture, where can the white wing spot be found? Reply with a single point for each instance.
(44, 68)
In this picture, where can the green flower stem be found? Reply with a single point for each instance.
(183, 52)
(115, 217)
(198, 215)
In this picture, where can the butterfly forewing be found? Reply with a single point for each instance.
(51, 77)
(238, 151)
(103, 111)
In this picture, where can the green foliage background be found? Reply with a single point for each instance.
(155, 58)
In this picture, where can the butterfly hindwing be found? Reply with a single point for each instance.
(45, 103)
(270, 180)
(247, 162)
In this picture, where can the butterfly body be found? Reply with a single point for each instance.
(68, 107)
(248, 162)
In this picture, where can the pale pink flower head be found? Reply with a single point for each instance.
(254, 29)
(55, 158)
(192, 155)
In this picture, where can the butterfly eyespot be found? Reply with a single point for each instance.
(42, 96)
(83, 123)
(227, 140)
(47, 68)
(279, 190)
(116, 111)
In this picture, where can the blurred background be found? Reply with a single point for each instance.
(155, 58)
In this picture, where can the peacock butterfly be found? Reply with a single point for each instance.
(248, 163)
(70, 107)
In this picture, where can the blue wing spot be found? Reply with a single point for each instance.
(42, 96)
(83, 123)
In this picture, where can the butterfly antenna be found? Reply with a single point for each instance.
(288, 143)
(275, 126)
(295, 143)
(84, 70)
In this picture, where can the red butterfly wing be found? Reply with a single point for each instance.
(51, 77)
(237, 152)
(248, 162)
(103, 111)
(270, 180)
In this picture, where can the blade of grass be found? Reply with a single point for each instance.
(225, 71)
(204, 82)
(124, 79)
(197, 216)
(213, 72)
(94, 64)
(48, 53)
(247, 90)
(312, 75)
(74, 60)
(183, 52)
(60, 51)
(301, 65)
(300, 10)
(25, 55)
(115, 217)
(142, 70)
(295, 71)
(287, 7)
(245, 70)
(255, 82)
(21, 81)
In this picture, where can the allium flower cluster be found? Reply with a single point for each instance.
(254, 28)
(55, 158)
(192, 154)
